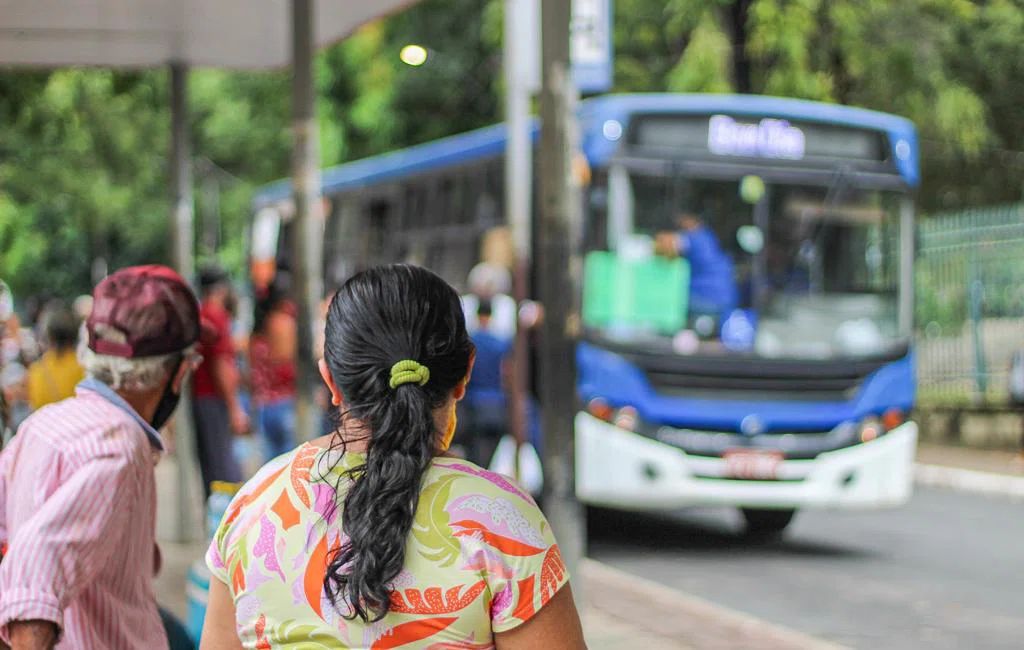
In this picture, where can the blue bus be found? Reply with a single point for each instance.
(798, 395)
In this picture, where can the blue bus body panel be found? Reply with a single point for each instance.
(461, 149)
(608, 376)
(490, 141)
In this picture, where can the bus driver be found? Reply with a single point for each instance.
(713, 289)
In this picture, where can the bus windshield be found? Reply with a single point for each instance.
(813, 269)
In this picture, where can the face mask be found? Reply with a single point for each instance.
(168, 401)
(446, 442)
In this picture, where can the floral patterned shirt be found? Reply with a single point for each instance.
(480, 559)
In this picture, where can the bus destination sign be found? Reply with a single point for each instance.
(769, 138)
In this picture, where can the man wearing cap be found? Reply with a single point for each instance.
(216, 408)
(77, 487)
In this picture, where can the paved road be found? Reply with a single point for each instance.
(945, 572)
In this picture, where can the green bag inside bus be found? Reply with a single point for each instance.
(646, 293)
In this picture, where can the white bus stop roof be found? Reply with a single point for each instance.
(144, 33)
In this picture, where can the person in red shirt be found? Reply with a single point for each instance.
(272, 349)
(216, 409)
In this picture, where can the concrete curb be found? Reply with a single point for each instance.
(685, 619)
(969, 481)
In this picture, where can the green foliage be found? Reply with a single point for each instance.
(83, 152)
(82, 176)
(703, 68)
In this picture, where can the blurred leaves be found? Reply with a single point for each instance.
(83, 152)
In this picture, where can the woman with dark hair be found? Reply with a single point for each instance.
(272, 349)
(371, 537)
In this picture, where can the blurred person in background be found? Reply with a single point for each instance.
(54, 376)
(77, 484)
(493, 283)
(217, 409)
(82, 307)
(14, 392)
(272, 349)
(486, 406)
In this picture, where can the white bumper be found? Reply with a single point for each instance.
(620, 469)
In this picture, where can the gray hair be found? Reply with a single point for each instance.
(129, 375)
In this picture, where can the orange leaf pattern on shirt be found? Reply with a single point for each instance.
(301, 466)
(490, 569)
(506, 545)
(313, 580)
(525, 608)
(285, 510)
(412, 631)
(247, 498)
(238, 579)
(429, 601)
(553, 574)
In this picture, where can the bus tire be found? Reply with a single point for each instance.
(765, 523)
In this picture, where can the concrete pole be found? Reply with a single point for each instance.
(558, 271)
(182, 237)
(307, 251)
(518, 194)
(182, 233)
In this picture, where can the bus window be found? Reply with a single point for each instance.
(458, 203)
(378, 245)
(434, 213)
(414, 206)
(650, 201)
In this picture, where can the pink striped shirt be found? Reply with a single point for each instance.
(78, 513)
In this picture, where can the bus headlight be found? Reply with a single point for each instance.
(874, 426)
(624, 417)
(870, 428)
(600, 409)
(892, 419)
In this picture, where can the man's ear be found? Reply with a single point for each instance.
(325, 374)
(178, 381)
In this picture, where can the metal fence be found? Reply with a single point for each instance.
(969, 278)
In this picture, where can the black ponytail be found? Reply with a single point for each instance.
(379, 317)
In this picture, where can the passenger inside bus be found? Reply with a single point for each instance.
(713, 290)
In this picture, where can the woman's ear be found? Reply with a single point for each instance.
(460, 388)
(325, 373)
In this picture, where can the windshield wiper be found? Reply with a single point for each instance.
(841, 181)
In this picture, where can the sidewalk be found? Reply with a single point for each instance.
(978, 460)
(974, 471)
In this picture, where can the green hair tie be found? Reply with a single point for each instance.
(408, 372)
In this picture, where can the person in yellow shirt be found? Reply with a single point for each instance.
(54, 376)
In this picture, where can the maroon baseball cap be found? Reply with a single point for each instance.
(145, 311)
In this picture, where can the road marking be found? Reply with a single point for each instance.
(969, 480)
(684, 618)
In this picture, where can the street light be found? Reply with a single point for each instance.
(414, 55)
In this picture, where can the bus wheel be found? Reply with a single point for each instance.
(766, 524)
